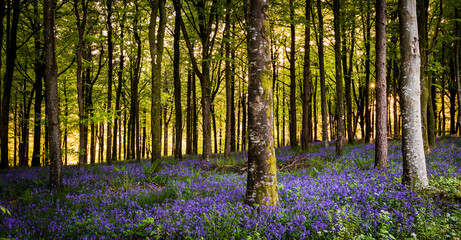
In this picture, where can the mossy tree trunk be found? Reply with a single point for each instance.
(262, 169)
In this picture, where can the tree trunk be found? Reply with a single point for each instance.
(51, 86)
(367, 34)
(421, 11)
(458, 80)
(322, 77)
(232, 97)
(194, 117)
(381, 96)
(156, 53)
(227, 144)
(39, 69)
(414, 162)
(339, 81)
(118, 114)
(293, 130)
(244, 122)
(11, 49)
(177, 82)
(134, 109)
(189, 114)
(306, 80)
(24, 125)
(348, 77)
(109, 81)
(262, 173)
(83, 129)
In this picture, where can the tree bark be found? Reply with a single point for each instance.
(11, 49)
(339, 80)
(367, 34)
(414, 162)
(109, 81)
(306, 80)
(83, 128)
(39, 69)
(227, 144)
(322, 77)
(421, 11)
(457, 77)
(293, 130)
(177, 82)
(51, 86)
(381, 96)
(189, 114)
(156, 52)
(118, 114)
(262, 170)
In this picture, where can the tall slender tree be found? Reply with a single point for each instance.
(293, 127)
(110, 70)
(51, 86)
(262, 169)
(156, 52)
(177, 81)
(229, 103)
(323, 97)
(306, 79)
(83, 126)
(11, 50)
(381, 92)
(414, 161)
(339, 80)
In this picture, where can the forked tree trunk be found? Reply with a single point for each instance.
(414, 161)
(262, 169)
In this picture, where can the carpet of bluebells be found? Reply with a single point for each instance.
(327, 198)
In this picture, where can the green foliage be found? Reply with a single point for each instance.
(158, 197)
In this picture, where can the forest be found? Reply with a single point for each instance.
(230, 119)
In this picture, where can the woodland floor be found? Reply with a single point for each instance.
(321, 196)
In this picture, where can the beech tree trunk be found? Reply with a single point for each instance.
(51, 86)
(156, 53)
(189, 114)
(177, 82)
(262, 170)
(421, 11)
(414, 161)
(227, 143)
(322, 77)
(39, 69)
(381, 92)
(11, 49)
(339, 81)
(293, 130)
(109, 81)
(83, 128)
(306, 80)
(457, 77)
(118, 114)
